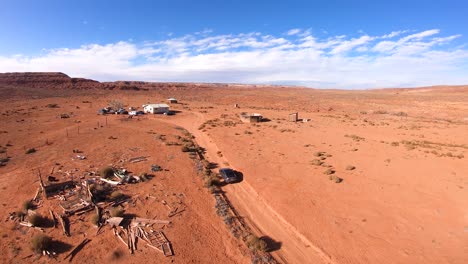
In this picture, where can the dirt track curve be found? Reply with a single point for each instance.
(295, 248)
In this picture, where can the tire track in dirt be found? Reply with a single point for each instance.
(295, 247)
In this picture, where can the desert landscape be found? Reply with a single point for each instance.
(326, 176)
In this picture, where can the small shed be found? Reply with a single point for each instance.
(293, 117)
(172, 100)
(251, 117)
(155, 108)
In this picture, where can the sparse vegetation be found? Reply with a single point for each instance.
(256, 244)
(335, 178)
(106, 172)
(116, 212)
(316, 162)
(37, 220)
(380, 112)
(116, 195)
(30, 151)
(40, 243)
(95, 219)
(355, 137)
(27, 205)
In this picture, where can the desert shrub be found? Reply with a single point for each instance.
(95, 219)
(400, 114)
(106, 172)
(210, 179)
(116, 212)
(117, 254)
(30, 150)
(37, 220)
(319, 153)
(40, 242)
(185, 149)
(27, 205)
(350, 167)
(316, 162)
(52, 105)
(329, 171)
(116, 195)
(355, 137)
(380, 112)
(335, 178)
(255, 243)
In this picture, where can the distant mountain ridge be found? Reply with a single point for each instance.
(61, 81)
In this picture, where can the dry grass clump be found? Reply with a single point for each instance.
(106, 172)
(52, 105)
(355, 137)
(256, 244)
(381, 112)
(116, 195)
(37, 220)
(210, 179)
(95, 219)
(335, 178)
(316, 162)
(400, 114)
(27, 205)
(40, 243)
(116, 212)
(30, 150)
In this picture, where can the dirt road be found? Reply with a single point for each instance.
(295, 248)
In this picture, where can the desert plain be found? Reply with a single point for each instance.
(363, 176)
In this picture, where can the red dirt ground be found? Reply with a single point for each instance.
(405, 201)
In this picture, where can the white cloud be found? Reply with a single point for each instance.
(348, 45)
(293, 31)
(341, 62)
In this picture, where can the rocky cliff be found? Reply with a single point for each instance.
(47, 80)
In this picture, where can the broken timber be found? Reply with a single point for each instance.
(138, 220)
(64, 222)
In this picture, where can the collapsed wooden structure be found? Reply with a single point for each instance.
(135, 231)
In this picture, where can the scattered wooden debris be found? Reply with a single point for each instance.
(144, 221)
(137, 159)
(54, 219)
(115, 221)
(65, 224)
(76, 206)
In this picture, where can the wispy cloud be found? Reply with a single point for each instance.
(297, 57)
(293, 31)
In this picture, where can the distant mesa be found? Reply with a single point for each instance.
(53, 80)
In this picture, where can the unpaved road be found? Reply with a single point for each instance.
(295, 248)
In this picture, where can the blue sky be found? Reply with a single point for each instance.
(324, 44)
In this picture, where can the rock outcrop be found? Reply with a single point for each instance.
(47, 80)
